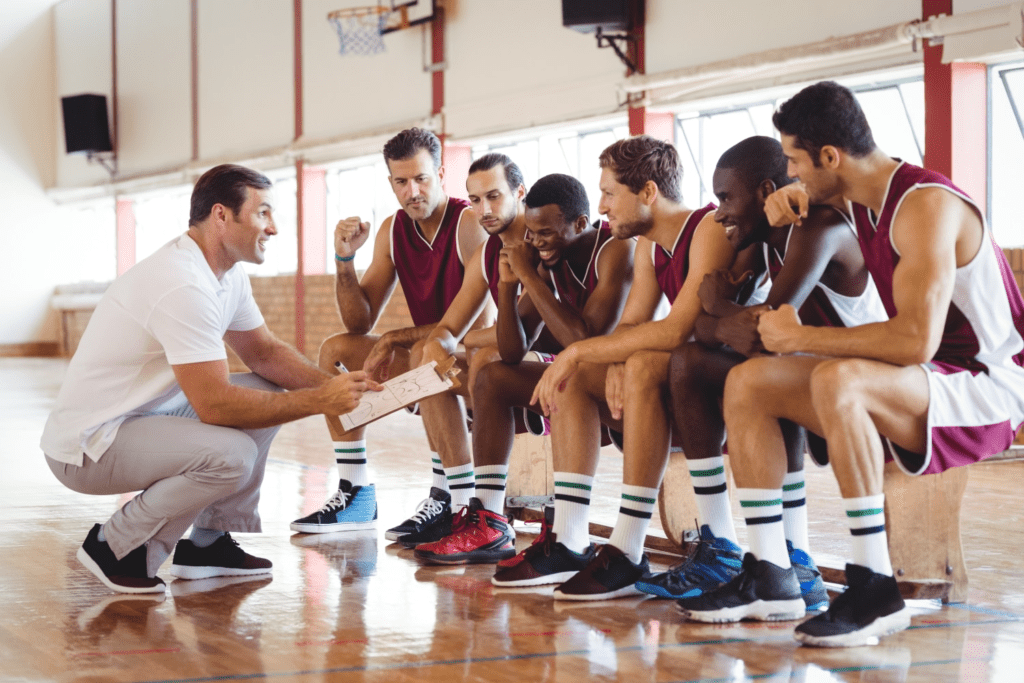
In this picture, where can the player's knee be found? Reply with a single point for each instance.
(643, 372)
(836, 384)
(416, 354)
(335, 349)
(683, 366)
(487, 381)
(743, 388)
(480, 359)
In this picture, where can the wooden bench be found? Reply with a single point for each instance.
(922, 517)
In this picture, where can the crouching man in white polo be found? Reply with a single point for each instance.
(148, 404)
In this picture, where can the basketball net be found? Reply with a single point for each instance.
(360, 29)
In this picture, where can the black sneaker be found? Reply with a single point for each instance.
(610, 574)
(761, 591)
(545, 561)
(713, 562)
(433, 510)
(223, 557)
(127, 575)
(870, 607)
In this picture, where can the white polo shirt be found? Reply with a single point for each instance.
(169, 309)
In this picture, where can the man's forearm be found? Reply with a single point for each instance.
(511, 337)
(876, 341)
(245, 408)
(617, 347)
(566, 325)
(353, 305)
(287, 368)
(406, 337)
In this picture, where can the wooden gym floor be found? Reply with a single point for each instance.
(354, 607)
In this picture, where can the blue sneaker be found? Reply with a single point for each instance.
(811, 586)
(351, 508)
(712, 563)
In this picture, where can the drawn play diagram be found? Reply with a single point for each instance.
(401, 391)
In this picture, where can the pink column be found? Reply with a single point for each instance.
(456, 160)
(125, 212)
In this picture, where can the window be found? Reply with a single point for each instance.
(895, 111)
(90, 233)
(360, 187)
(1006, 149)
(159, 218)
(573, 151)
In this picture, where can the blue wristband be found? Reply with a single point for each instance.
(344, 258)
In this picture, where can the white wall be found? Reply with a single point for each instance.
(82, 30)
(683, 34)
(245, 77)
(513, 65)
(32, 250)
(154, 85)
(353, 94)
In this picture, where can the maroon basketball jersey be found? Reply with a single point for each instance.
(430, 272)
(571, 288)
(985, 322)
(671, 267)
(491, 257)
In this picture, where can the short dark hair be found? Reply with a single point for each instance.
(756, 159)
(406, 144)
(225, 184)
(513, 175)
(823, 114)
(563, 190)
(641, 158)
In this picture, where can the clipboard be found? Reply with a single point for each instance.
(399, 392)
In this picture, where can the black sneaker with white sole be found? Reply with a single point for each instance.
(223, 557)
(762, 591)
(870, 607)
(432, 510)
(127, 575)
(609, 574)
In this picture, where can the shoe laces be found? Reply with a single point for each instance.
(428, 507)
(339, 501)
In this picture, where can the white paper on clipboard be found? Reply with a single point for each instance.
(399, 392)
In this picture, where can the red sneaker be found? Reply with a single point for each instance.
(481, 536)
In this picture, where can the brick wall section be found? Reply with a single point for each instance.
(276, 298)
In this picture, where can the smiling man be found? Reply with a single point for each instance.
(422, 247)
(816, 267)
(576, 291)
(148, 403)
(622, 378)
(941, 381)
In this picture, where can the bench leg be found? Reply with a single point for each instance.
(923, 524)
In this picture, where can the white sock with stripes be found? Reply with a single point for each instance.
(490, 487)
(794, 510)
(350, 457)
(438, 479)
(634, 517)
(461, 485)
(572, 510)
(866, 517)
(762, 509)
(712, 496)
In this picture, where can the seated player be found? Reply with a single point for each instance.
(816, 267)
(496, 191)
(622, 378)
(577, 292)
(421, 247)
(940, 381)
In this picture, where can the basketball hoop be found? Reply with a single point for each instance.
(360, 29)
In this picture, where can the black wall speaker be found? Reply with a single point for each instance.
(586, 16)
(85, 123)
